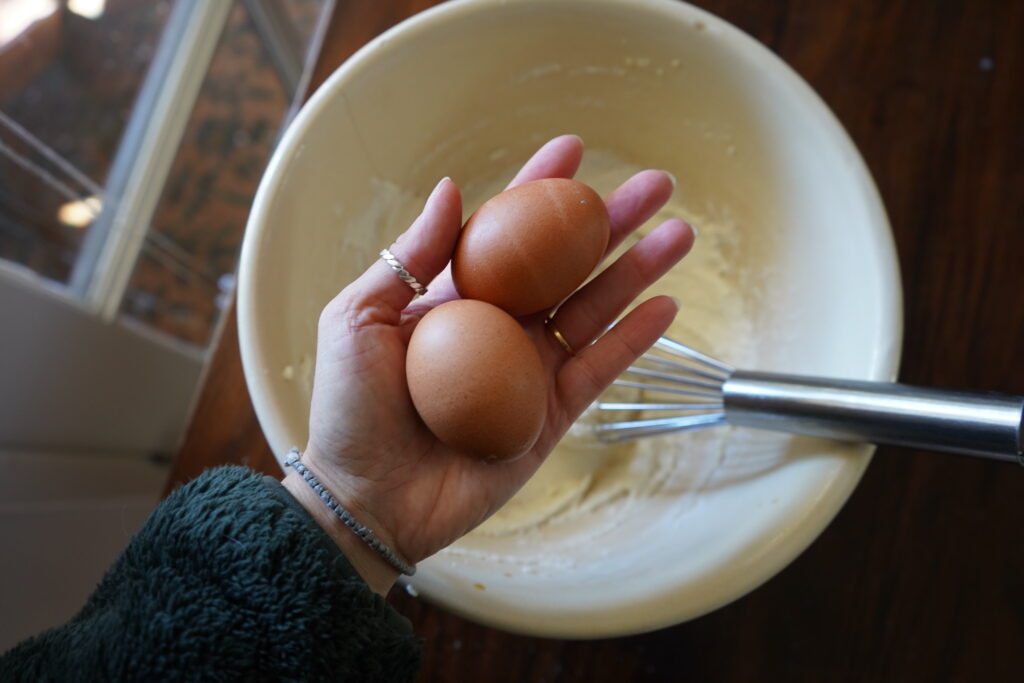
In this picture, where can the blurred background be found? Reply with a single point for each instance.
(133, 134)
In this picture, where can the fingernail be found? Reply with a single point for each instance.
(671, 177)
(677, 302)
(437, 187)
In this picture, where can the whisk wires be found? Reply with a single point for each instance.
(674, 379)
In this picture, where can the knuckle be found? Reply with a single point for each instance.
(346, 313)
(639, 270)
(592, 320)
(328, 315)
(624, 347)
(592, 376)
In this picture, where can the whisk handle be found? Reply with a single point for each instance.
(971, 423)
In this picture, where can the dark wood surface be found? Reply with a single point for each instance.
(921, 576)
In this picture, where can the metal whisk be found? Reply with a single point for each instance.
(695, 391)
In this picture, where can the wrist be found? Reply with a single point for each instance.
(378, 574)
(360, 496)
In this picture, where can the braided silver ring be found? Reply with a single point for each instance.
(400, 270)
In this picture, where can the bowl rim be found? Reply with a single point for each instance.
(887, 347)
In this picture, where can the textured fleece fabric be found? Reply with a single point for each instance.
(230, 579)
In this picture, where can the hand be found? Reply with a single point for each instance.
(368, 445)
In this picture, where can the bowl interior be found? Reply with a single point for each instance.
(469, 90)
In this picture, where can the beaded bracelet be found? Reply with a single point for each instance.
(294, 461)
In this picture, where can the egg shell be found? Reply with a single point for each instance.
(477, 380)
(530, 247)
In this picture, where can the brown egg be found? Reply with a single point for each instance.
(528, 248)
(476, 380)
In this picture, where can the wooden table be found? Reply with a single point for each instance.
(921, 576)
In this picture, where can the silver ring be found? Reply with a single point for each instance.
(400, 270)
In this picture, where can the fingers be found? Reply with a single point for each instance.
(585, 315)
(558, 158)
(635, 201)
(629, 206)
(593, 369)
(424, 250)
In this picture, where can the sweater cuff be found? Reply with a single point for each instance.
(343, 569)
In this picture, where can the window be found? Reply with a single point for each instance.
(133, 134)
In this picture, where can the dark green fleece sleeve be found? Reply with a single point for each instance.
(229, 579)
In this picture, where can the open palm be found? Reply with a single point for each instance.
(366, 440)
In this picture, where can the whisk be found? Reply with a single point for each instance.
(692, 390)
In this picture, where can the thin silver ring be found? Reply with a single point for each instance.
(400, 270)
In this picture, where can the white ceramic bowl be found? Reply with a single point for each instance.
(470, 88)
